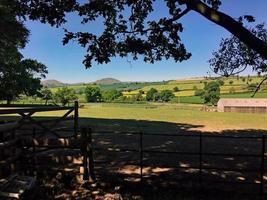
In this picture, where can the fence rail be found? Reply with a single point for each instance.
(261, 170)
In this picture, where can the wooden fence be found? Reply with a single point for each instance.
(34, 143)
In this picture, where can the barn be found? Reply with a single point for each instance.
(245, 105)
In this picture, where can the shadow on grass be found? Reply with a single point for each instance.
(172, 176)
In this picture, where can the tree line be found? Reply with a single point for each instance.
(93, 94)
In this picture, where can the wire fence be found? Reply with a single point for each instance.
(200, 153)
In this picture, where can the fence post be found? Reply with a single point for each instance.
(34, 150)
(13, 150)
(141, 157)
(200, 158)
(262, 164)
(76, 118)
(90, 155)
(84, 153)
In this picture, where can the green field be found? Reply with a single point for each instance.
(170, 116)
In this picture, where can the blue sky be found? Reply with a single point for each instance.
(200, 36)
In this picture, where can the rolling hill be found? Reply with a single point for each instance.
(107, 81)
(52, 83)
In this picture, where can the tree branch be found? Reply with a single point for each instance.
(229, 24)
(259, 86)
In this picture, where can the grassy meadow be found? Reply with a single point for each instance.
(187, 115)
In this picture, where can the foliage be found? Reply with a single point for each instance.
(65, 95)
(133, 32)
(17, 75)
(221, 82)
(93, 94)
(166, 95)
(234, 56)
(211, 93)
(46, 94)
(231, 82)
(21, 77)
(175, 89)
(152, 95)
(111, 95)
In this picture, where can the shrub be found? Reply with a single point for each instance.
(211, 93)
(166, 95)
(175, 89)
(92, 94)
(65, 95)
(111, 95)
(152, 95)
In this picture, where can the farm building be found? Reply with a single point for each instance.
(251, 105)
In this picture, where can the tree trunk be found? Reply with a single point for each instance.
(229, 24)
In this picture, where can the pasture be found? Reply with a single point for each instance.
(121, 169)
(164, 173)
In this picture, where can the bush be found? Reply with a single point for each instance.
(211, 93)
(92, 94)
(152, 95)
(166, 95)
(221, 82)
(111, 95)
(65, 95)
(175, 89)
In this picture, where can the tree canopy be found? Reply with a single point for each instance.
(129, 30)
(233, 56)
(211, 92)
(65, 95)
(93, 94)
(17, 75)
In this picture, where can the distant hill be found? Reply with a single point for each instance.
(107, 81)
(52, 83)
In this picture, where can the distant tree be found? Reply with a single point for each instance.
(166, 95)
(221, 82)
(46, 95)
(93, 94)
(211, 93)
(152, 95)
(65, 95)
(175, 89)
(243, 79)
(111, 95)
(231, 82)
(141, 92)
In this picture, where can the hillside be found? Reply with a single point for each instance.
(107, 81)
(52, 83)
